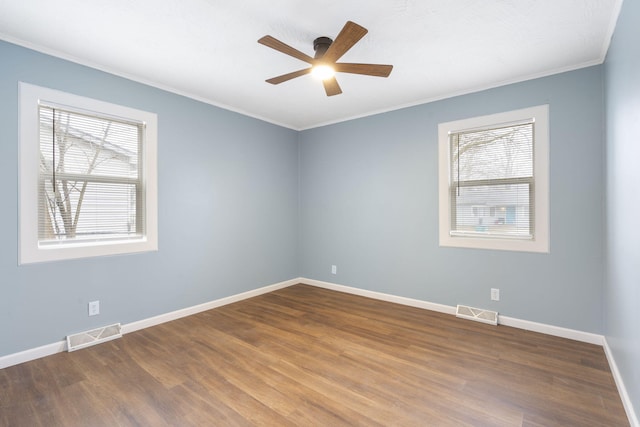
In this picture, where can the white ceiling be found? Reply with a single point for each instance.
(208, 50)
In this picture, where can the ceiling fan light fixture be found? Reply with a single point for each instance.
(323, 71)
(324, 64)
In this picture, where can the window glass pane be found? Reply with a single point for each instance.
(505, 152)
(88, 145)
(106, 211)
(89, 177)
(497, 210)
(492, 170)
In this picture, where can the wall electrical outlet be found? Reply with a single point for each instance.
(94, 308)
(334, 269)
(495, 294)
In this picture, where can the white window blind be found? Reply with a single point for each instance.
(492, 181)
(90, 177)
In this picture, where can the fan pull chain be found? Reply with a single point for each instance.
(458, 177)
(53, 150)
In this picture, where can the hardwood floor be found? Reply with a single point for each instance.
(305, 356)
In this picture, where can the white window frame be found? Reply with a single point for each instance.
(30, 251)
(540, 241)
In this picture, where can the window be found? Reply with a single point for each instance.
(493, 183)
(87, 177)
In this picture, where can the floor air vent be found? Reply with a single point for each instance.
(93, 337)
(477, 314)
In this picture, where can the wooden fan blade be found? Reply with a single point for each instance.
(276, 44)
(288, 76)
(331, 86)
(350, 34)
(377, 70)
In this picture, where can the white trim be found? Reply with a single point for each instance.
(540, 243)
(622, 390)
(302, 127)
(167, 317)
(556, 331)
(46, 350)
(32, 354)
(151, 83)
(461, 92)
(552, 330)
(611, 28)
(29, 250)
(60, 346)
(381, 296)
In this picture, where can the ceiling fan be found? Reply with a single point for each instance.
(324, 61)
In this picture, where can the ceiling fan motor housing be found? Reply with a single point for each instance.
(320, 46)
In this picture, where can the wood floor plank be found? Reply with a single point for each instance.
(305, 356)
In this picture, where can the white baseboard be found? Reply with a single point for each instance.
(506, 321)
(622, 390)
(32, 354)
(57, 347)
(380, 296)
(503, 320)
(46, 350)
(556, 331)
(167, 317)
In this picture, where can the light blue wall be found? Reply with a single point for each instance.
(622, 284)
(228, 194)
(369, 204)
